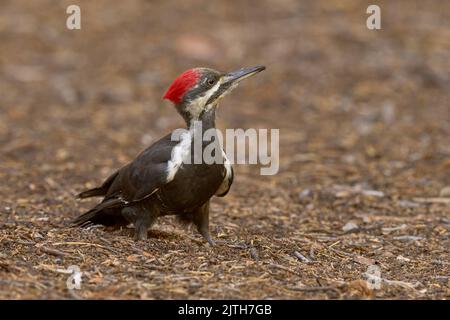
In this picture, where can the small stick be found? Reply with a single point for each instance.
(312, 289)
(407, 238)
(302, 257)
(332, 288)
(53, 252)
(86, 244)
(283, 268)
(432, 200)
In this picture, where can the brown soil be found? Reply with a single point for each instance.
(364, 134)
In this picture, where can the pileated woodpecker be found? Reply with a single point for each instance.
(160, 181)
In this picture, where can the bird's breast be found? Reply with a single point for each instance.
(192, 186)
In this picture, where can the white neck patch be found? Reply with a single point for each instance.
(179, 153)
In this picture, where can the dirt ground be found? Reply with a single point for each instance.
(364, 148)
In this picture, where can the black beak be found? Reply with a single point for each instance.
(241, 74)
(231, 80)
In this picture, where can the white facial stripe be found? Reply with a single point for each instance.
(196, 106)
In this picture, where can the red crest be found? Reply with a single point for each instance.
(181, 85)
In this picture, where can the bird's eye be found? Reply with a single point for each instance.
(211, 82)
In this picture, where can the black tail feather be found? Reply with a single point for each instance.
(107, 213)
(96, 192)
(99, 191)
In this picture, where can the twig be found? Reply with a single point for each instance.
(53, 252)
(402, 284)
(302, 257)
(433, 200)
(407, 238)
(339, 252)
(389, 230)
(283, 268)
(314, 289)
(86, 244)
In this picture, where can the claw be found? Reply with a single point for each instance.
(208, 238)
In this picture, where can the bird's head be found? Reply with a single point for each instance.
(198, 90)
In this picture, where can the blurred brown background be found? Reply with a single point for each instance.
(364, 133)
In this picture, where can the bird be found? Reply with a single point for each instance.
(165, 179)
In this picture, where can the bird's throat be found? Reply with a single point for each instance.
(207, 118)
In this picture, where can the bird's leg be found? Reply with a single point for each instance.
(201, 221)
(142, 218)
(141, 227)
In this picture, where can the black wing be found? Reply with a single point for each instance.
(141, 177)
(133, 182)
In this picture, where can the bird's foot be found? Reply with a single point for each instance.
(140, 234)
(207, 237)
(211, 242)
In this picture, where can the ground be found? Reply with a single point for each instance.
(364, 148)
